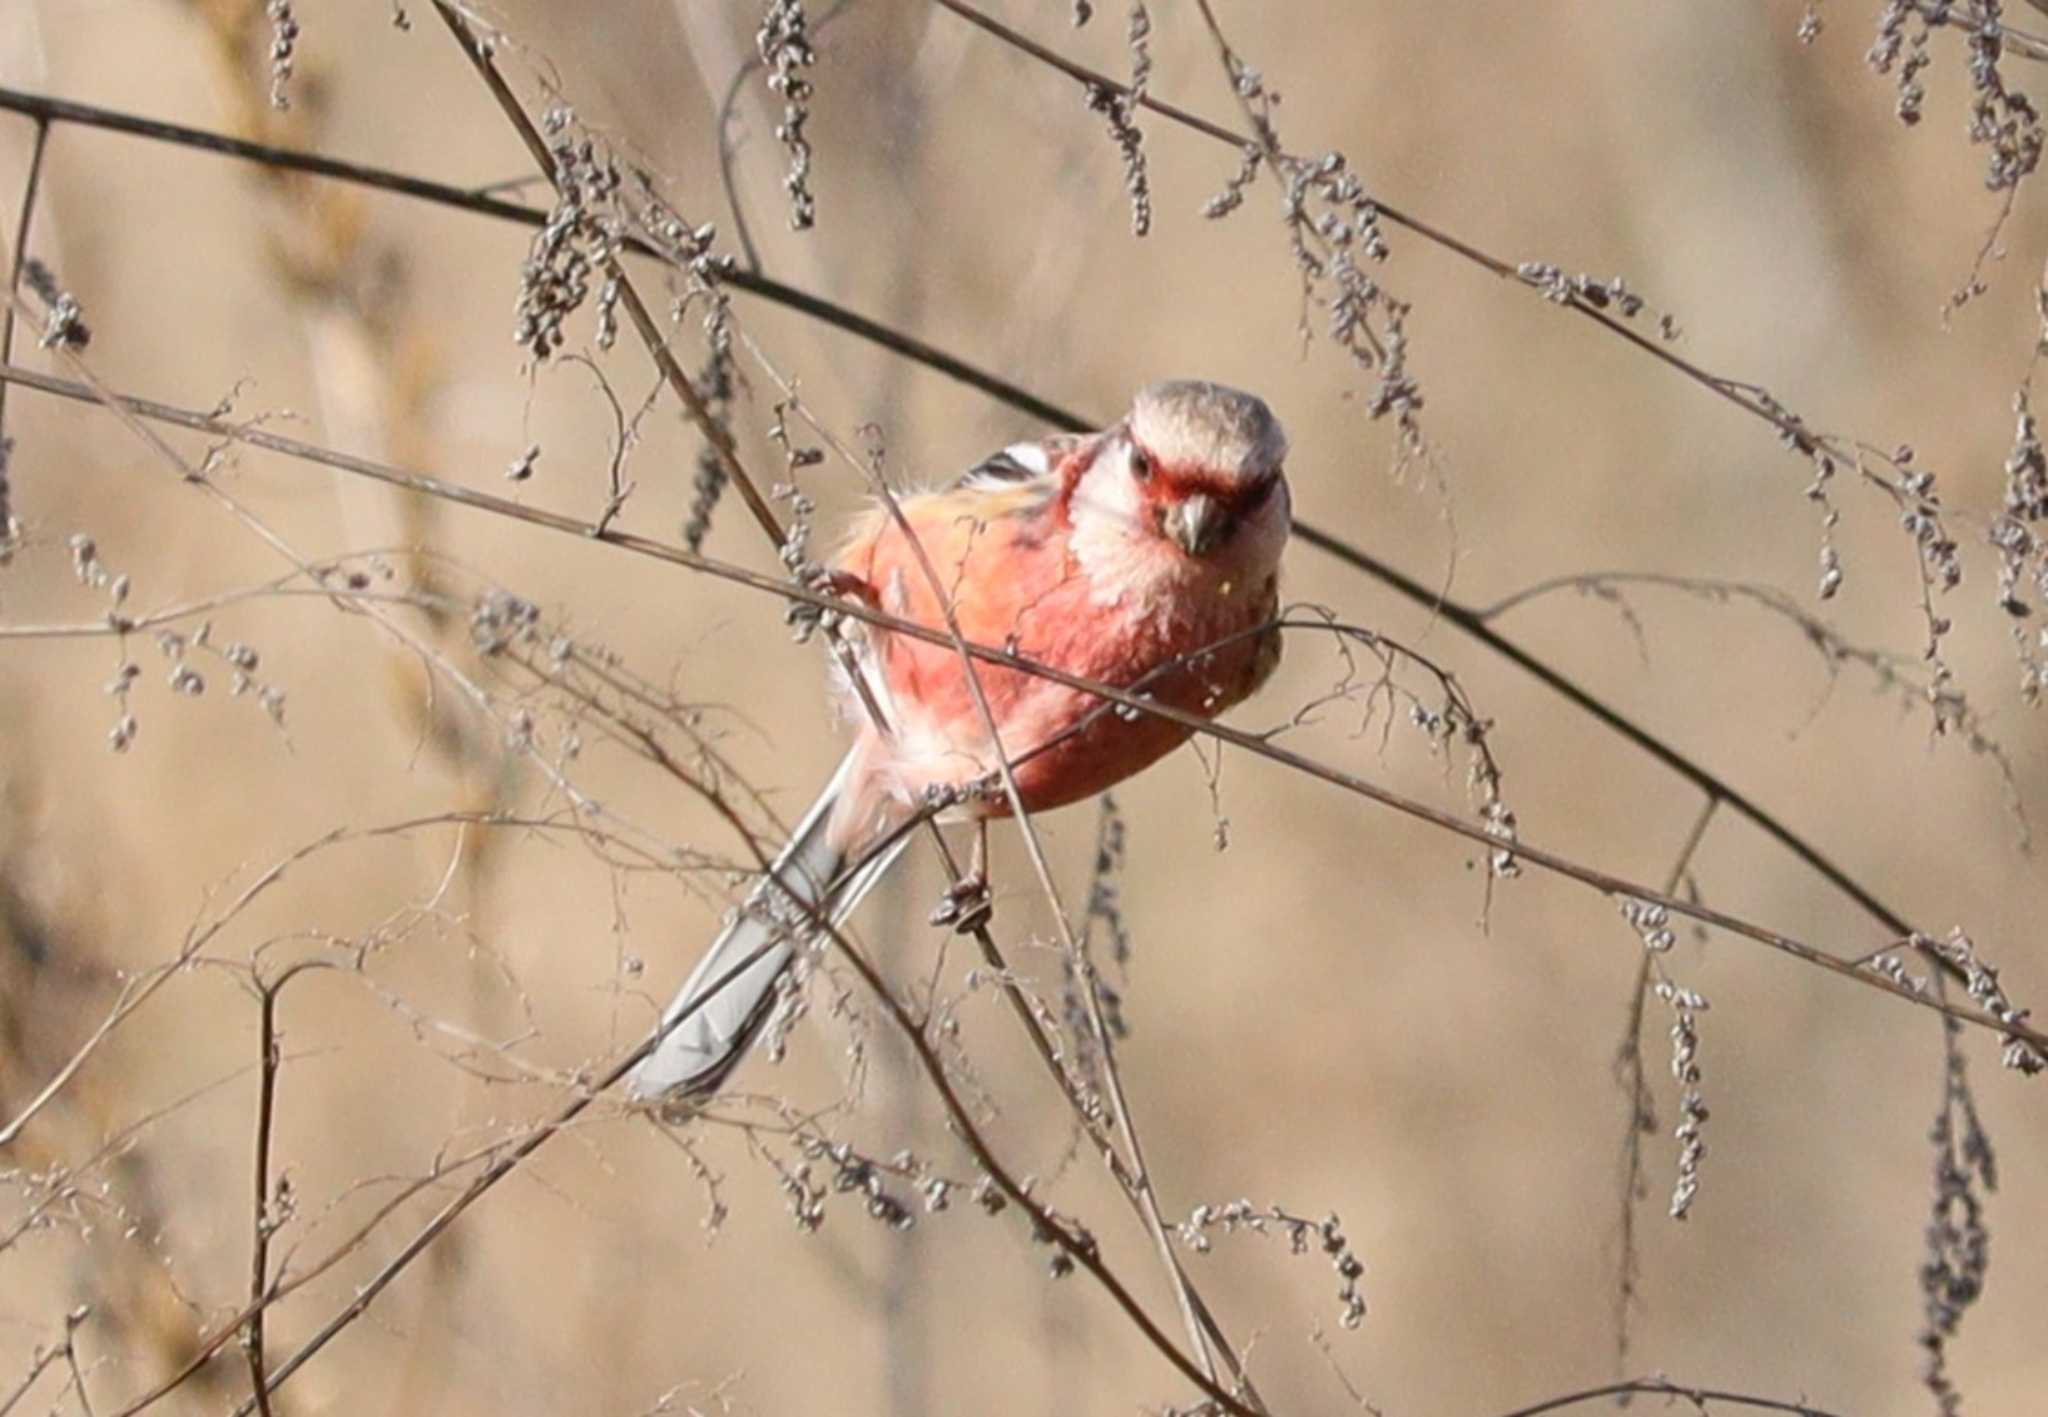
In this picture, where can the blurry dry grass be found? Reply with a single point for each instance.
(504, 754)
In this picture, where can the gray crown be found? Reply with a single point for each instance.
(1193, 423)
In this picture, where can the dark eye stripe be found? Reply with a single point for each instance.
(1253, 497)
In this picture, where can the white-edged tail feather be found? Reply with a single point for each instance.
(731, 992)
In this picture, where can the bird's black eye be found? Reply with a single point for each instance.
(1141, 463)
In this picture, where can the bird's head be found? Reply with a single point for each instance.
(1189, 481)
(1203, 458)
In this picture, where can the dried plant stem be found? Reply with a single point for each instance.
(507, 1157)
(1083, 1254)
(650, 334)
(480, 202)
(1793, 431)
(1472, 621)
(1605, 882)
(1910, 490)
(1741, 395)
(678, 381)
(1084, 1112)
(1635, 1082)
(1118, 1143)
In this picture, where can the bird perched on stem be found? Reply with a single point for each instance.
(1145, 556)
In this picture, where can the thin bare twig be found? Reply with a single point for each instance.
(141, 987)
(30, 187)
(266, 1213)
(45, 1357)
(1664, 1387)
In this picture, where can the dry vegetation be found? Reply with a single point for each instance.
(1581, 965)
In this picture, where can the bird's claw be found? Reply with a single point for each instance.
(967, 905)
(848, 586)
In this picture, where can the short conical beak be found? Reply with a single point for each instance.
(1197, 523)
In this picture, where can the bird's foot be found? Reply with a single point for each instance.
(967, 905)
(806, 617)
(848, 586)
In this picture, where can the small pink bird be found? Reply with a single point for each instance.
(1118, 556)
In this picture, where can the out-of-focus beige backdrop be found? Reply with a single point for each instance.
(1318, 1018)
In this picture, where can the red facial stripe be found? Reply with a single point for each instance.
(1177, 483)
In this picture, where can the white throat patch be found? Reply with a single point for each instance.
(1118, 548)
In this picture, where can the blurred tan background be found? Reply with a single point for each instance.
(1319, 1021)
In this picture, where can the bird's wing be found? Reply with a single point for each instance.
(1018, 463)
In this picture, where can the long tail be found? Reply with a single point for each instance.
(731, 992)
